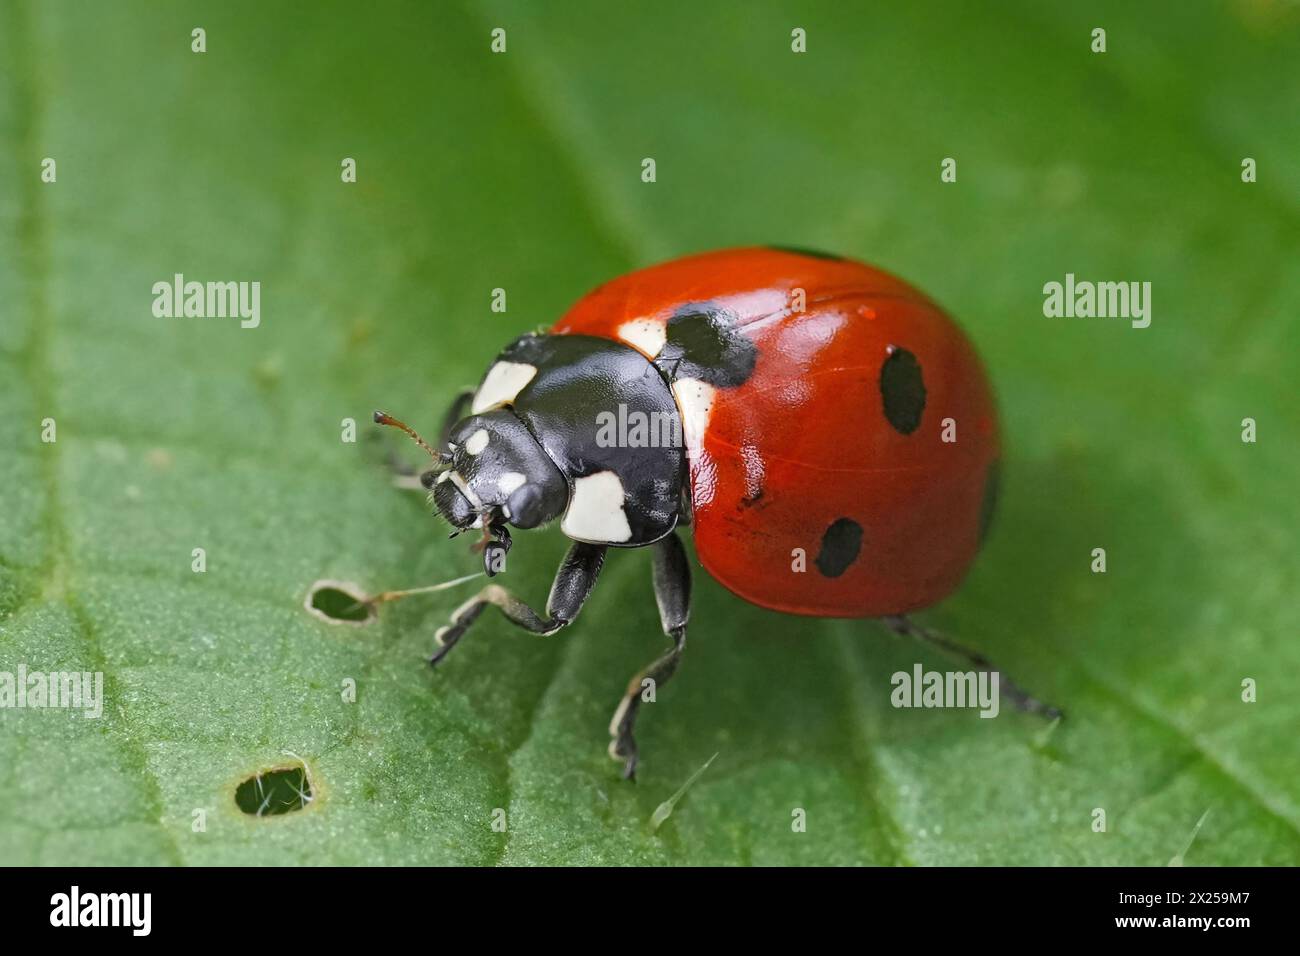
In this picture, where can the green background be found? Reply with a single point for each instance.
(522, 171)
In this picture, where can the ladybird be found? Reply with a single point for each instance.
(824, 430)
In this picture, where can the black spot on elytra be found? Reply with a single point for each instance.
(841, 545)
(703, 342)
(903, 391)
(989, 504)
(811, 253)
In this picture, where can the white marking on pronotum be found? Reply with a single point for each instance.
(595, 512)
(645, 335)
(695, 402)
(477, 441)
(509, 481)
(502, 383)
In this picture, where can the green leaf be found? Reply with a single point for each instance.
(521, 171)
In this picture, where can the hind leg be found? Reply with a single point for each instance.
(903, 625)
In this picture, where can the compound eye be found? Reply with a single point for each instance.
(452, 505)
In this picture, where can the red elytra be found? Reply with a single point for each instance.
(802, 465)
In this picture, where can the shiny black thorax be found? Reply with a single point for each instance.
(578, 406)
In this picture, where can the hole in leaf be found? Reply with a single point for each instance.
(274, 792)
(339, 602)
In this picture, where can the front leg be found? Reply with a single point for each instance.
(672, 581)
(570, 590)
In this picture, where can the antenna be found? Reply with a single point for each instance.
(383, 419)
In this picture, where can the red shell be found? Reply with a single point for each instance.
(805, 441)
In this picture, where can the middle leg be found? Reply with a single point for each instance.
(672, 582)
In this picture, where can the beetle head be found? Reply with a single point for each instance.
(495, 472)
